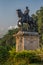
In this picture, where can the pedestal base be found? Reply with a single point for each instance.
(27, 41)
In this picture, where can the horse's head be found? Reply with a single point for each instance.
(19, 12)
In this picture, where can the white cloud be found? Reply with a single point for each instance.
(16, 26)
(12, 27)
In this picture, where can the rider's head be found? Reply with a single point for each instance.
(27, 10)
(26, 7)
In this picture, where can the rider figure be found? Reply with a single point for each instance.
(26, 12)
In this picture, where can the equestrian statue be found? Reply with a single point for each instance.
(25, 18)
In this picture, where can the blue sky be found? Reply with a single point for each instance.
(8, 16)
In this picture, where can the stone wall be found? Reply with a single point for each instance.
(31, 42)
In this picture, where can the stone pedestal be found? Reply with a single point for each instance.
(27, 41)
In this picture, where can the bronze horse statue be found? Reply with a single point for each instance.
(25, 18)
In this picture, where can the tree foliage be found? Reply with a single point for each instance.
(39, 20)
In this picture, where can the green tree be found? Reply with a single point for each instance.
(4, 54)
(35, 21)
(8, 40)
(39, 14)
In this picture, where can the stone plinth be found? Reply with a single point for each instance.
(27, 41)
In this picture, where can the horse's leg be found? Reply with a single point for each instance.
(18, 23)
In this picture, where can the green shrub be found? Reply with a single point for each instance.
(23, 58)
(4, 54)
(29, 57)
(12, 52)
